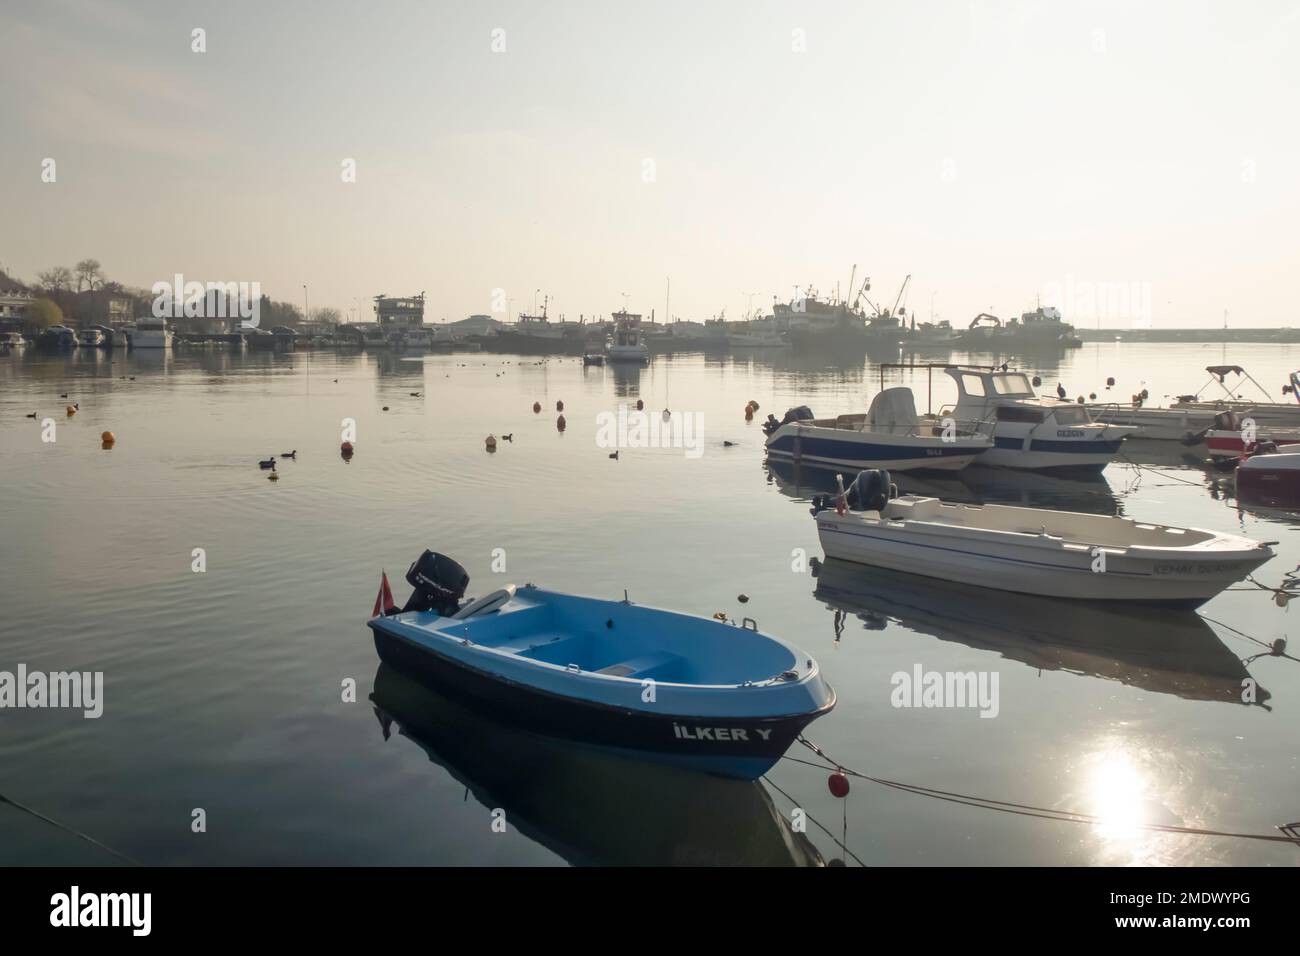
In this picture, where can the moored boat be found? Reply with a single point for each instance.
(1032, 550)
(1028, 431)
(1263, 410)
(1270, 478)
(668, 687)
(890, 435)
(627, 342)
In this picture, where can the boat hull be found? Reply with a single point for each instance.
(1155, 424)
(729, 746)
(1048, 454)
(853, 451)
(1026, 564)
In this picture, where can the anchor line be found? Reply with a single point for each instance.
(1184, 481)
(1029, 810)
(819, 824)
(22, 808)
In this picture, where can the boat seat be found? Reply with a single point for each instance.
(648, 665)
(527, 642)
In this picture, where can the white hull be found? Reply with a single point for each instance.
(624, 353)
(1036, 551)
(1159, 424)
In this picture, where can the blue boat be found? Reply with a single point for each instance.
(890, 435)
(702, 694)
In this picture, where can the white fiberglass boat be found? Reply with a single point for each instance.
(1028, 431)
(1032, 550)
(151, 333)
(889, 435)
(1156, 424)
(1263, 410)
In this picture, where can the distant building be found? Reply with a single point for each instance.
(14, 300)
(474, 325)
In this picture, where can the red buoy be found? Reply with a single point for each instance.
(559, 406)
(839, 785)
(537, 406)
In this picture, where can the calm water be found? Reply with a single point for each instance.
(223, 688)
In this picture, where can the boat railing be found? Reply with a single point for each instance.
(964, 426)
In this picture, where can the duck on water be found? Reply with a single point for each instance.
(722, 698)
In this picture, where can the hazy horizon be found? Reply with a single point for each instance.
(998, 152)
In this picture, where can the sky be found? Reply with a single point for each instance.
(1134, 164)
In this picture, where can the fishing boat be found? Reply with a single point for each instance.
(722, 698)
(1028, 431)
(627, 343)
(890, 435)
(1060, 554)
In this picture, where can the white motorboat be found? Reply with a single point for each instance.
(627, 344)
(1262, 410)
(1155, 424)
(1028, 431)
(151, 333)
(90, 338)
(1032, 550)
(890, 435)
(12, 341)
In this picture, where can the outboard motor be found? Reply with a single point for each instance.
(800, 413)
(439, 584)
(870, 491)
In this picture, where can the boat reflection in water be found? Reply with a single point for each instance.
(589, 807)
(1166, 652)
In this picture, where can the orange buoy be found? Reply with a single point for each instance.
(537, 407)
(71, 411)
(491, 443)
(749, 413)
(839, 785)
(108, 438)
(560, 423)
(639, 405)
(559, 406)
(346, 446)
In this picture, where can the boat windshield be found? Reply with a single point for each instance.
(1012, 383)
(1071, 415)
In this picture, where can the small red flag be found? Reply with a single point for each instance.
(384, 603)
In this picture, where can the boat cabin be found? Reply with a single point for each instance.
(984, 395)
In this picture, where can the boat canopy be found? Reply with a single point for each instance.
(893, 410)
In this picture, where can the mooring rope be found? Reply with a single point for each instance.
(1025, 809)
(23, 808)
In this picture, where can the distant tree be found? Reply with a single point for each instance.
(328, 315)
(41, 314)
(89, 275)
(57, 279)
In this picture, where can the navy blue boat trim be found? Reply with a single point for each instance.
(867, 452)
(592, 722)
(1070, 446)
